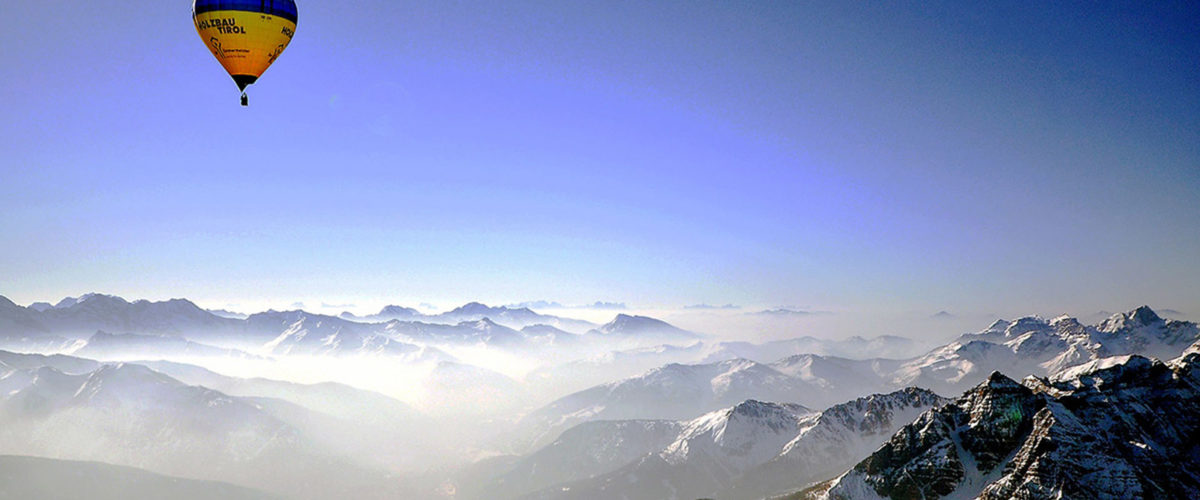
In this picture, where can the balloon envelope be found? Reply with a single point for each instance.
(246, 36)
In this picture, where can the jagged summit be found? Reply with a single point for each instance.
(393, 309)
(758, 409)
(1137, 318)
(998, 326)
(472, 308)
(998, 380)
(1144, 315)
(481, 323)
(1024, 325)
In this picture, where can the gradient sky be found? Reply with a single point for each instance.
(850, 157)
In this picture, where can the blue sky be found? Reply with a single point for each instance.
(849, 157)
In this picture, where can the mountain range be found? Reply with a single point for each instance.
(128, 414)
(512, 317)
(395, 332)
(1028, 345)
(652, 411)
(743, 451)
(1114, 428)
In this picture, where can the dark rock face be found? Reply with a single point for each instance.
(1119, 430)
(1126, 431)
(1000, 414)
(919, 461)
(923, 459)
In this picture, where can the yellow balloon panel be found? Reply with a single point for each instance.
(246, 43)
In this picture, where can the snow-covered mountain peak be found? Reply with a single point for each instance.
(68, 302)
(1194, 348)
(770, 413)
(625, 322)
(1135, 319)
(178, 306)
(998, 326)
(980, 349)
(1025, 325)
(642, 330)
(1059, 321)
(1069, 328)
(98, 300)
(747, 413)
(540, 329)
(1144, 316)
(869, 407)
(748, 434)
(738, 364)
(473, 308)
(754, 449)
(667, 374)
(1075, 373)
(393, 310)
(480, 324)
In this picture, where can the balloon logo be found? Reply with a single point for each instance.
(245, 36)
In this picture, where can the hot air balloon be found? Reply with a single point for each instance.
(246, 36)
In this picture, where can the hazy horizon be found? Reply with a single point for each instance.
(725, 322)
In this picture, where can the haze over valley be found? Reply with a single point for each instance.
(491, 402)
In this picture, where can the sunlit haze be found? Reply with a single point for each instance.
(586, 250)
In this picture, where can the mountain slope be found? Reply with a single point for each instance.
(17, 321)
(332, 398)
(586, 450)
(672, 392)
(479, 331)
(641, 330)
(597, 369)
(754, 448)
(107, 346)
(303, 333)
(884, 346)
(66, 364)
(130, 415)
(93, 312)
(43, 478)
(709, 453)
